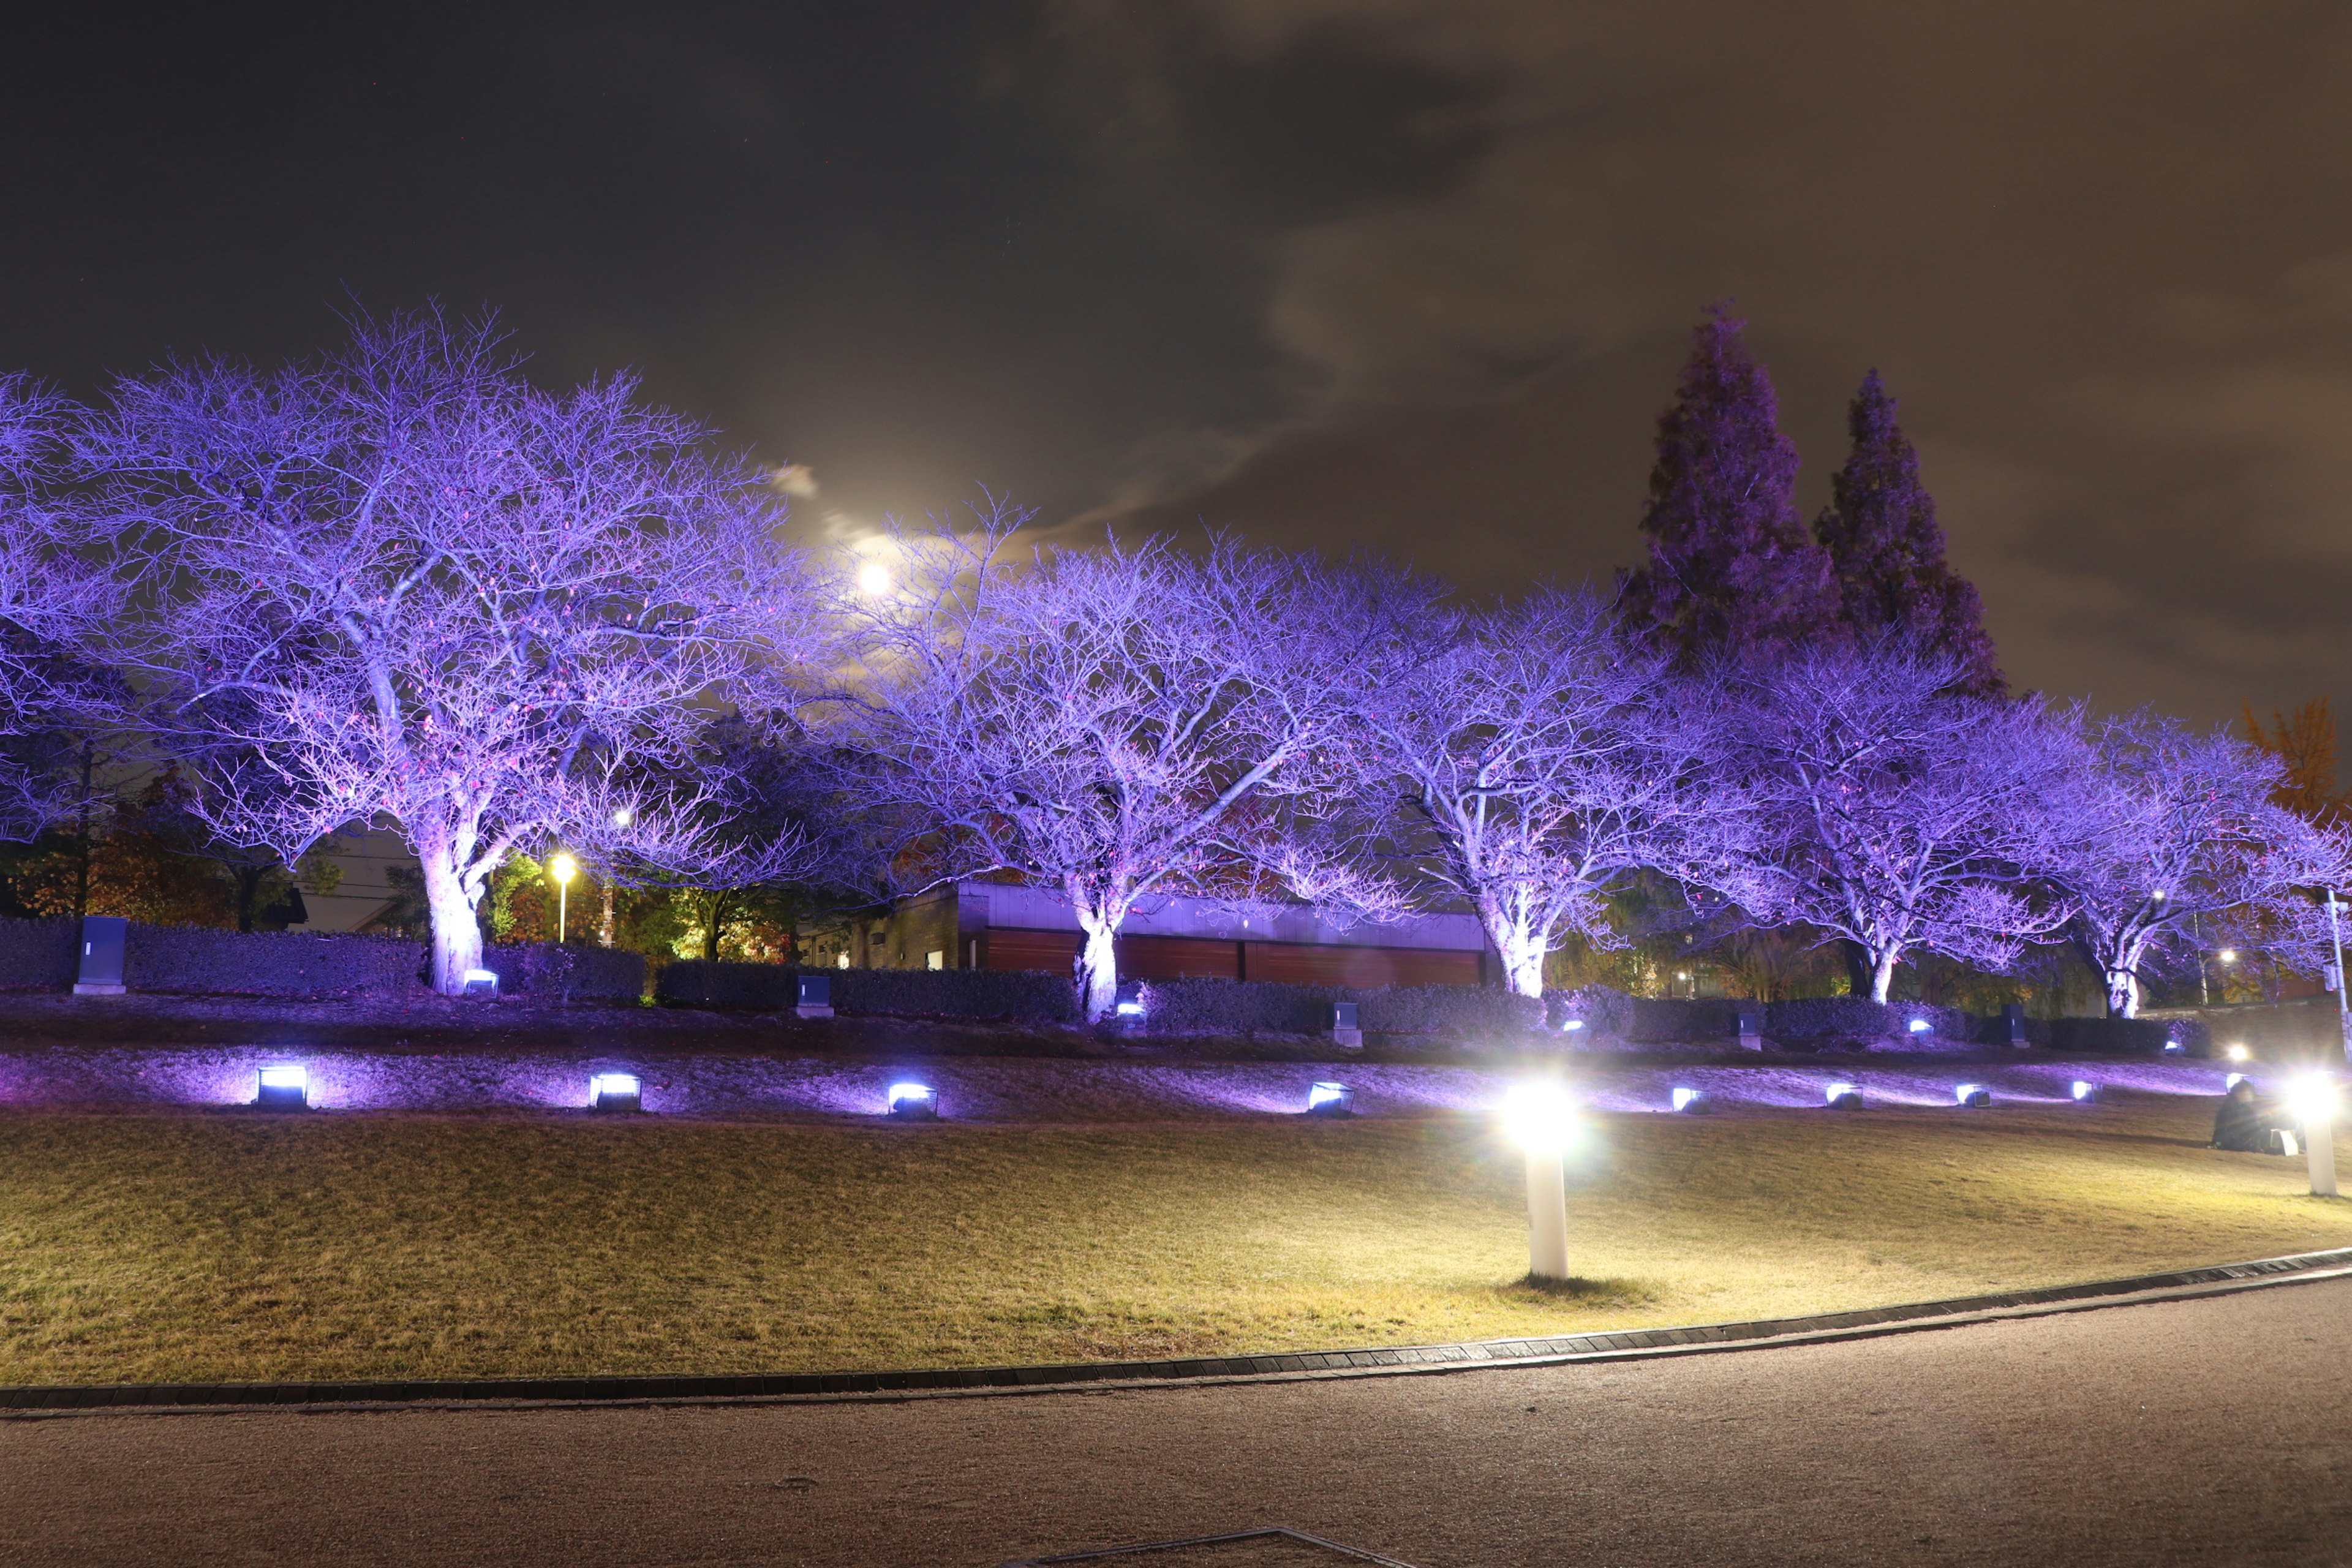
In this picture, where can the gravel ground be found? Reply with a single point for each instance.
(2216, 1431)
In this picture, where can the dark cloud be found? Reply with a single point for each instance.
(1410, 273)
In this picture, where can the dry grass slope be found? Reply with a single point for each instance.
(244, 1246)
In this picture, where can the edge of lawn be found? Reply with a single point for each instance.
(1629, 1344)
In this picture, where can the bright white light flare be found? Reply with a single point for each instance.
(1539, 1117)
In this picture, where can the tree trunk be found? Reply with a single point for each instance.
(1859, 978)
(2123, 994)
(1099, 968)
(456, 935)
(1522, 955)
(1881, 973)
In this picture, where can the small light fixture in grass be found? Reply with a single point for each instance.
(1976, 1096)
(1842, 1097)
(1694, 1100)
(481, 983)
(1129, 1001)
(2084, 1092)
(1330, 1100)
(913, 1102)
(614, 1091)
(283, 1088)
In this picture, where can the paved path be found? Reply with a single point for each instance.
(2211, 1432)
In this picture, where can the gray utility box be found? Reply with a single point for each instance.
(103, 940)
(2012, 1017)
(1344, 1031)
(814, 997)
(1751, 1029)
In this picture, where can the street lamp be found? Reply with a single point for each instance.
(2311, 1100)
(562, 867)
(1540, 1118)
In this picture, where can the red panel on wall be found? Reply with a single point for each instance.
(1305, 963)
(1052, 950)
(1178, 958)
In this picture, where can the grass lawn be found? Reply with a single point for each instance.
(229, 1245)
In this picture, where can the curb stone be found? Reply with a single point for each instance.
(1292, 1365)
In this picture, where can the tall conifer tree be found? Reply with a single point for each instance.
(1887, 549)
(1731, 567)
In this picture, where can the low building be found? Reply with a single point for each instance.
(996, 925)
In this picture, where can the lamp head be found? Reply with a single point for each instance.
(562, 867)
(1539, 1117)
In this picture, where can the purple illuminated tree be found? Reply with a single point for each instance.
(1893, 810)
(1122, 724)
(50, 602)
(402, 585)
(1732, 569)
(1539, 760)
(1888, 550)
(2178, 837)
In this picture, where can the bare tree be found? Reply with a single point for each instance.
(1893, 811)
(1540, 760)
(2176, 830)
(401, 585)
(1123, 723)
(51, 601)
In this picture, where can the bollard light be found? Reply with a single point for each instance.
(283, 1088)
(1844, 1097)
(562, 867)
(1330, 1100)
(2086, 1090)
(1975, 1094)
(913, 1102)
(2311, 1100)
(614, 1091)
(1541, 1118)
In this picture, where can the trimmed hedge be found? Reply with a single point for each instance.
(997, 996)
(1259, 1006)
(566, 972)
(1858, 1020)
(2142, 1036)
(201, 961)
(38, 956)
(1603, 1010)
(1665, 1020)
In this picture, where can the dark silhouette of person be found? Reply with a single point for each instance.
(2243, 1122)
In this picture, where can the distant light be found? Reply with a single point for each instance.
(1682, 975)
(562, 867)
(1540, 1116)
(1920, 1025)
(1844, 1097)
(874, 578)
(2227, 955)
(283, 1088)
(481, 983)
(1975, 1094)
(913, 1102)
(614, 1091)
(2312, 1098)
(2157, 895)
(2173, 1046)
(2085, 1090)
(2237, 1053)
(1329, 1099)
(841, 961)
(2232, 1081)
(623, 818)
(1694, 1100)
(1573, 1024)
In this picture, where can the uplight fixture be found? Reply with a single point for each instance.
(615, 1091)
(2084, 1090)
(911, 1101)
(284, 1087)
(1694, 1100)
(1974, 1095)
(1842, 1097)
(1330, 1100)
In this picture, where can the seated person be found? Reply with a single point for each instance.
(2243, 1122)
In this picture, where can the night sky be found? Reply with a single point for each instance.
(1415, 274)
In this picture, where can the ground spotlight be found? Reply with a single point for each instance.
(1330, 1100)
(1844, 1097)
(913, 1102)
(2173, 1047)
(283, 1088)
(2232, 1081)
(481, 983)
(1920, 1025)
(1129, 1003)
(1694, 1100)
(614, 1091)
(2086, 1090)
(1972, 1094)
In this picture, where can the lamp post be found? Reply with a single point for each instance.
(2336, 977)
(2312, 1099)
(561, 868)
(1540, 1118)
(621, 818)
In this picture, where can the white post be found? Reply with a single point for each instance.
(2312, 1099)
(1541, 1118)
(1547, 1214)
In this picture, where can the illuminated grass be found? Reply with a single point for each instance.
(243, 1246)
